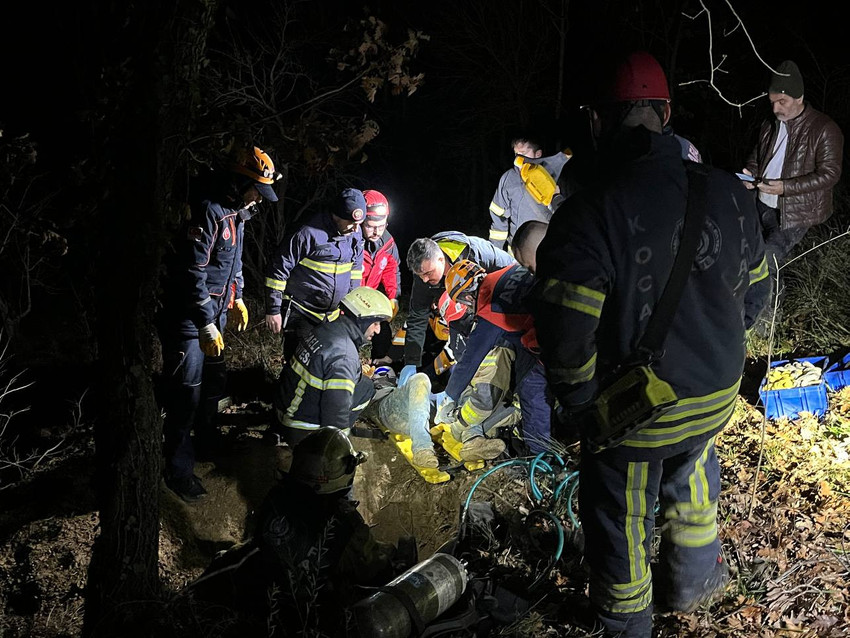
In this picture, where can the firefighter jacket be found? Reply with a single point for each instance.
(315, 267)
(511, 207)
(317, 387)
(811, 169)
(502, 317)
(205, 271)
(601, 269)
(381, 265)
(423, 296)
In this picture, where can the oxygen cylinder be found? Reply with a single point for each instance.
(431, 587)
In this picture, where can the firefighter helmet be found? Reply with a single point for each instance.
(256, 164)
(639, 77)
(462, 279)
(367, 305)
(377, 206)
(325, 461)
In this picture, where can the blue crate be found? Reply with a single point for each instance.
(837, 375)
(789, 402)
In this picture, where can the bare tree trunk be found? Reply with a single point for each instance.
(148, 129)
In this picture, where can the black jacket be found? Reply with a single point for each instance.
(602, 267)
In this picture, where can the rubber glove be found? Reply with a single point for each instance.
(439, 398)
(212, 343)
(405, 374)
(237, 315)
(446, 411)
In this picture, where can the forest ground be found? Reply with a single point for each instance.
(784, 528)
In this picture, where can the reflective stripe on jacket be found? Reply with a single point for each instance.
(315, 266)
(601, 269)
(511, 207)
(205, 272)
(422, 297)
(501, 315)
(317, 386)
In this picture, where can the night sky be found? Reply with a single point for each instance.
(492, 68)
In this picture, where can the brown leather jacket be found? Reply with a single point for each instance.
(811, 169)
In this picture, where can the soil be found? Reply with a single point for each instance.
(788, 555)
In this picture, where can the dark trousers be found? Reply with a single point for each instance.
(778, 244)
(192, 386)
(617, 503)
(537, 409)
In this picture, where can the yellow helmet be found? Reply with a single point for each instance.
(367, 303)
(463, 277)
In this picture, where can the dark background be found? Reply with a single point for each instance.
(491, 69)
(109, 108)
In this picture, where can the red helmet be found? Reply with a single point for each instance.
(450, 310)
(377, 206)
(639, 77)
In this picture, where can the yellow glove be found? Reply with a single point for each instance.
(237, 315)
(212, 343)
(394, 304)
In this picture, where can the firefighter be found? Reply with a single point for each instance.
(380, 265)
(601, 268)
(310, 552)
(514, 204)
(313, 269)
(322, 383)
(429, 259)
(202, 292)
(500, 358)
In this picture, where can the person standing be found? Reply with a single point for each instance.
(601, 268)
(202, 291)
(513, 204)
(796, 161)
(315, 266)
(380, 265)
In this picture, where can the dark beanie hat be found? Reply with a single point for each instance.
(352, 205)
(787, 80)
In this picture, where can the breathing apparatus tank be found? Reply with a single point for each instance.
(426, 589)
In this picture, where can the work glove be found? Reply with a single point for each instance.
(212, 343)
(405, 374)
(394, 304)
(237, 315)
(446, 411)
(439, 398)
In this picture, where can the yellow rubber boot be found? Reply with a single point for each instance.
(405, 446)
(442, 433)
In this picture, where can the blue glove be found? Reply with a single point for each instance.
(405, 374)
(439, 398)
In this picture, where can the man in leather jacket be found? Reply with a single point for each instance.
(796, 163)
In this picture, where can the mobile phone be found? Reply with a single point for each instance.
(745, 178)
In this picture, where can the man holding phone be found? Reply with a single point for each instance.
(794, 166)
